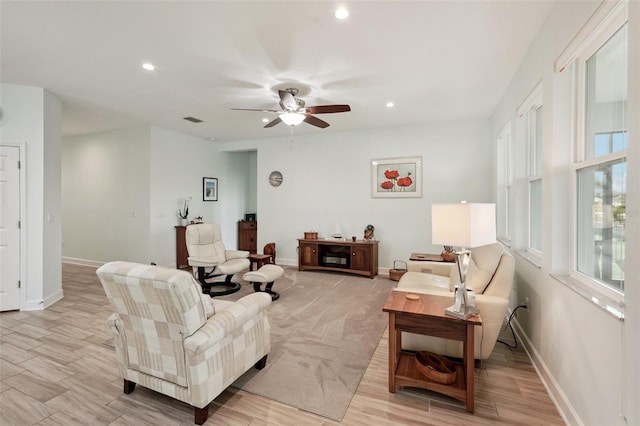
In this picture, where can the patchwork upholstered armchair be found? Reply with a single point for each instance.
(209, 258)
(173, 339)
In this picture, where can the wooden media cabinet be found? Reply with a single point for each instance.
(354, 257)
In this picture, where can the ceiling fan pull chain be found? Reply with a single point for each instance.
(291, 137)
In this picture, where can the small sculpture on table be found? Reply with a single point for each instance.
(368, 233)
(448, 254)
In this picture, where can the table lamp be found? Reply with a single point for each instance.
(464, 225)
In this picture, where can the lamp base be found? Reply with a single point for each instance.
(466, 312)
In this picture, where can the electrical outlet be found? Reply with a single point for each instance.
(526, 301)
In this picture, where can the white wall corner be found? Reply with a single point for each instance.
(52, 298)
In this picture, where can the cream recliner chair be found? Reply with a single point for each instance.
(209, 258)
(490, 276)
(173, 339)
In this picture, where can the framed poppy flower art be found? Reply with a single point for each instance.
(396, 178)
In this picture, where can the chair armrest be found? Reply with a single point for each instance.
(236, 254)
(208, 306)
(208, 262)
(115, 324)
(417, 281)
(225, 321)
(120, 342)
(492, 308)
(437, 268)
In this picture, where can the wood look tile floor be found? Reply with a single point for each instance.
(57, 368)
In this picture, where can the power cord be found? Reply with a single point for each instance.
(513, 333)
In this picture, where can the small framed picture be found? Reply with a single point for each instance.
(250, 217)
(209, 189)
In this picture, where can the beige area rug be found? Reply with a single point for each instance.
(324, 330)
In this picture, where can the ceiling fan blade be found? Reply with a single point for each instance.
(315, 121)
(273, 123)
(287, 101)
(249, 109)
(326, 109)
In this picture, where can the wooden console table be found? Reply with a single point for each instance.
(354, 257)
(426, 316)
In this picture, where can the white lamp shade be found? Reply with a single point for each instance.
(292, 118)
(465, 225)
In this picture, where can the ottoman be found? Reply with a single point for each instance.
(266, 275)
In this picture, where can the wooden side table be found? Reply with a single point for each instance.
(259, 260)
(181, 248)
(426, 316)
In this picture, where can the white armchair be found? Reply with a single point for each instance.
(173, 339)
(490, 276)
(209, 258)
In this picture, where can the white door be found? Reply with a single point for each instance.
(9, 228)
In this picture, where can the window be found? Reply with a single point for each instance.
(601, 165)
(504, 178)
(530, 121)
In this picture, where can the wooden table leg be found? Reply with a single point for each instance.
(392, 352)
(469, 364)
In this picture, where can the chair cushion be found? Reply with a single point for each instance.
(482, 265)
(232, 266)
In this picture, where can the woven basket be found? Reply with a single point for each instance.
(396, 273)
(436, 367)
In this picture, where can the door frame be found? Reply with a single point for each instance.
(22, 178)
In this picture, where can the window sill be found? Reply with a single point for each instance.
(504, 241)
(610, 306)
(531, 258)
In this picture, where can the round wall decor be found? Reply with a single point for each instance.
(275, 178)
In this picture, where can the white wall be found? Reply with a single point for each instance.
(122, 190)
(105, 181)
(178, 164)
(327, 178)
(32, 122)
(252, 183)
(582, 352)
(52, 237)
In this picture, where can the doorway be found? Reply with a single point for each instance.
(10, 193)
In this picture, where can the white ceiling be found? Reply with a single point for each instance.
(437, 60)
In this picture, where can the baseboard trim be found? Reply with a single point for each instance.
(83, 262)
(33, 305)
(384, 272)
(58, 295)
(560, 400)
(287, 262)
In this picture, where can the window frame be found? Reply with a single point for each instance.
(504, 147)
(607, 29)
(527, 115)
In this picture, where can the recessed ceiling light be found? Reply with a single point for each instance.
(390, 104)
(341, 13)
(212, 138)
(265, 120)
(148, 66)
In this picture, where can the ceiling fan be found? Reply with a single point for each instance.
(294, 112)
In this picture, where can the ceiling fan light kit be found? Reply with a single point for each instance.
(292, 118)
(294, 112)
